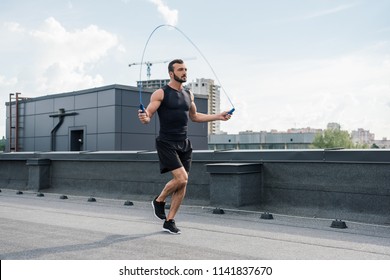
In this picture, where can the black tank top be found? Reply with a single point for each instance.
(174, 114)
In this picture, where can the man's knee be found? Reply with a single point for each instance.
(182, 181)
(181, 178)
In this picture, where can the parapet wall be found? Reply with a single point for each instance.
(350, 180)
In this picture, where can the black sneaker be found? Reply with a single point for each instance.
(159, 209)
(170, 227)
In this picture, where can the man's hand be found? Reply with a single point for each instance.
(143, 116)
(224, 116)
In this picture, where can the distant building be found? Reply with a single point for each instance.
(97, 119)
(381, 144)
(153, 84)
(294, 138)
(334, 126)
(261, 140)
(362, 136)
(208, 88)
(305, 130)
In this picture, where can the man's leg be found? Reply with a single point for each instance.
(176, 187)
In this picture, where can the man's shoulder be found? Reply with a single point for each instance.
(189, 93)
(159, 94)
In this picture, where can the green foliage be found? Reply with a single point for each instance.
(362, 146)
(333, 138)
(2, 144)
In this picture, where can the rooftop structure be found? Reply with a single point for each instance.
(97, 119)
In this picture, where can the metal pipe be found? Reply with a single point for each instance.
(17, 121)
(10, 122)
(61, 115)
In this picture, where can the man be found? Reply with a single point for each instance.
(174, 106)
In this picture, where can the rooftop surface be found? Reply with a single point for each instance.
(50, 228)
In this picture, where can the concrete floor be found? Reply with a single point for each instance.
(49, 228)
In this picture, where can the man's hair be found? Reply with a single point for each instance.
(170, 65)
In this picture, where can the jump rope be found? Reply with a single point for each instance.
(141, 106)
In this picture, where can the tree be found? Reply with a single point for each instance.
(333, 138)
(2, 144)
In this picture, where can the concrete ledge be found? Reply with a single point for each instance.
(233, 168)
(38, 174)
(325, 180)
(38, 162)
(235, 184)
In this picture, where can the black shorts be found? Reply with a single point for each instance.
(174, 155)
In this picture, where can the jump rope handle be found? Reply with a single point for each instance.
(142, 108)
(231, 111)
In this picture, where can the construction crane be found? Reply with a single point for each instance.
(150, 63)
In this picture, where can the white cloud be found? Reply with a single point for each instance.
(121, 48)
(353, 90)
(53, 59)
(66, 58)
(13, 27)
(77, 47)
(170, 16)
(4, 81)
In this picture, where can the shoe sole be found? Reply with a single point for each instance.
(154, 212)
(171, 232)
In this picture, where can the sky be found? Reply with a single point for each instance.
(283, 63)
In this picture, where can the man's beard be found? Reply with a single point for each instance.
(177, 79)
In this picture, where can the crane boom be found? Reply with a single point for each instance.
(150, 63)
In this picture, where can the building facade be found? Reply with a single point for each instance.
(207, 87)
(381, 144)
(97, 119)
(333, 126)
(362, 136)
(153, 84)
(249, 140)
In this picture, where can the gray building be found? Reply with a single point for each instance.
(209, 88)
(249, 140)
(154, 84)
(381, 144)
(97, 119)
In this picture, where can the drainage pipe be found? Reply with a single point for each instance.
(61, 115)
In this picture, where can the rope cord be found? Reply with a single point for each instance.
(196, 47)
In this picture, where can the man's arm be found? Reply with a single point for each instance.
(200, 117)
(155, 102)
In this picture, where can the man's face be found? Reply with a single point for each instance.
(179, 73)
